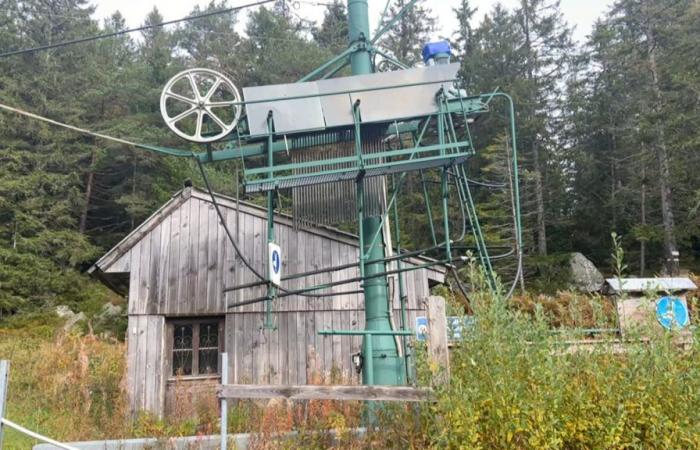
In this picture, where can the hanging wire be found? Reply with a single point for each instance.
(245, 261)
(132, 30)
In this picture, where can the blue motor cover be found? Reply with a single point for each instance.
(432, 49)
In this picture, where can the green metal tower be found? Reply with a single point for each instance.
(382, 364)
(351, 133)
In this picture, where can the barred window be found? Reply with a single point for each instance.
(196, 345)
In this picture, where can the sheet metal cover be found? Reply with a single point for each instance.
(289, 115)
(383, 102)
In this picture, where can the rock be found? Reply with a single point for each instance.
(63, 311)
(585, 276)
(109, 310)
(73, 321)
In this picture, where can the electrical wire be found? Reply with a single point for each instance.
(238, 250)
(132, 30)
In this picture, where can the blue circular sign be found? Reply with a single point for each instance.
(672, 313)
(275, 261)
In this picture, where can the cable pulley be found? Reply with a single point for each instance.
(200, 105)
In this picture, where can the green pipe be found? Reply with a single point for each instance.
(402, 296)
(271, 290)
(358, 35)
(365, 333)
(443, 179)
(319, 70)
(387, 365)
(428, 209)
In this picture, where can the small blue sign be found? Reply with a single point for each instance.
(421, 328)
(276, 261)
(672, 313)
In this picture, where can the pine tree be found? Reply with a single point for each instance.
(411, 32)
(333, 32)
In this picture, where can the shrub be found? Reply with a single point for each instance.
(513, 386)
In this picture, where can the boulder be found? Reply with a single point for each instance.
(73, 321)
(585, 276)
(63, 311)
(109, 310)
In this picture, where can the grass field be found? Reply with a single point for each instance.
(512, 386)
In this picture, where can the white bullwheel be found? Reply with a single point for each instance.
(200, 105)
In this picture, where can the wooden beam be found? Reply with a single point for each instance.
(312, 392)
(438, 352)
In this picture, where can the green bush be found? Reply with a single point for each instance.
(514, 385)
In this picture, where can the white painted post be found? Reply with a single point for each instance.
(4, 373)
(224, 402)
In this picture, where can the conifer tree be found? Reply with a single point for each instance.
(411, 32)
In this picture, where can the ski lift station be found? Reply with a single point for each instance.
(289, 299)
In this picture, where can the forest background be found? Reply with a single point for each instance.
(608, 130)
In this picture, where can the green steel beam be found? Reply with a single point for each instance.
(271, 290)
(382, 363)
(330, 63)
(270, 171)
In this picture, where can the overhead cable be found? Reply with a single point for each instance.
(153, 148)
(132, 30)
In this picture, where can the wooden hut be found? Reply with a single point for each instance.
(174, 267)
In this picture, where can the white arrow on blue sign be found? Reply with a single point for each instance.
(274, 263)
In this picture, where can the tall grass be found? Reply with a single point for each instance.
(65, 386)
(513, 386)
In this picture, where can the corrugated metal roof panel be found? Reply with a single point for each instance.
(654, 284)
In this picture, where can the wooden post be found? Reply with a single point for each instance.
(438, 354)
(224, 402)
(4, 375)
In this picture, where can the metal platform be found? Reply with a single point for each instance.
(351, 173)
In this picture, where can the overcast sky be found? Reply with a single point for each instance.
(579, 13)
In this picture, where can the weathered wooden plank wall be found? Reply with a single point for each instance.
(145, 363)
(180, 266)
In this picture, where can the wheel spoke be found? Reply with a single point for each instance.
(181, 98)
(198, 130)
(193, 85)
(182, 115)
(216, 119)
(213, 89)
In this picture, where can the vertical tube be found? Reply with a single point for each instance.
(271, 290)
(428, 208)
(402, 296)
(443, 181)
(224, 402)
(358, 17)
(382, 364)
